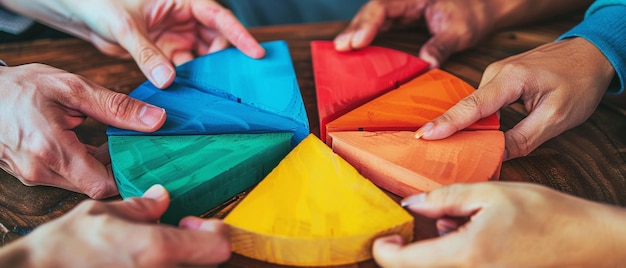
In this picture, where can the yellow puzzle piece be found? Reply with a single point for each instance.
(314, 209)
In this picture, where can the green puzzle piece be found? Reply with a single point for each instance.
(199, 172)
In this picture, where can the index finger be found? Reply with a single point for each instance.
(363, 27)
(212, 15)
(480, 104)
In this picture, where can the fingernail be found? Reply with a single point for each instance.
(424, 130)
(150, 115)
(412, 200)
(428, 57)
(190, 222)
(340, 42)
(209, 226)
(155, 192)
(359, 37)
(433, 63)
(161, 74)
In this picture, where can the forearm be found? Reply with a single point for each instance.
(607, 241)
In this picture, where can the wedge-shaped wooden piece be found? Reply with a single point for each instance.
(314, 209)
(199, 172)
(411, 106)
(346, 80)
(404, 165)
(229, 92)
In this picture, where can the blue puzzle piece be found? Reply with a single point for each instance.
(229, 92)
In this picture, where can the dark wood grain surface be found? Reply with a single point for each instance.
(588, 161)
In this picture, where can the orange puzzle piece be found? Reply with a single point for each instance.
(411, 106)
(346, 80)
(404, 165)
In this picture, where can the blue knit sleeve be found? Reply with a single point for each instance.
(605, 27)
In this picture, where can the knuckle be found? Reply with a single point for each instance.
(470, 103)
(71, 89)
(237, 36)
(96, 190)
(447, 118)
(120, 105)
(494, 67)
(146, 54)
(48, 156)
(518, 144)
(516, 68)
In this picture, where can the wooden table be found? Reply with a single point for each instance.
(588, 161)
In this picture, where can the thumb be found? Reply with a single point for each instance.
(531, 132)
(386, 251)
(457, 200)
(152, 62)
(120, 110)
(438, 48)
(390, 251)
(146, 209)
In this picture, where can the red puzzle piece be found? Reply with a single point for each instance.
(346, 80)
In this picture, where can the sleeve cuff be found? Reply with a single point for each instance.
(605, 27)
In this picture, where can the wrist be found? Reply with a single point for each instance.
(607, 240)
(616, 236)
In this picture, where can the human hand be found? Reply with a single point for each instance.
(121, 234)
(39, 108)
(559, 83)
(155, 33)
(510, 225)
(455, 25)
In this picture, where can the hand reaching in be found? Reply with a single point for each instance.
(40, 107)
(155, 33)
(120, 234)
(510, 225)
(560, 84)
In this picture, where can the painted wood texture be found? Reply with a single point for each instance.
(199, 171)
(229, 92)
(346, 80)
(411, 106)
(314, 209)
(588, 161)
(403, 165)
